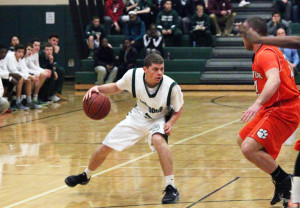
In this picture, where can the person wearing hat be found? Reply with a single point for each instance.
(135, 30)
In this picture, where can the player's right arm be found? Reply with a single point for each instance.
(106, 89)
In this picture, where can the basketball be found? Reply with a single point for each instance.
(97, 106)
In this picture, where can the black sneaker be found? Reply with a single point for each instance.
(282, 191)
(77, 179)
(171, 196)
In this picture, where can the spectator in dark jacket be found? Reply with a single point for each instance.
(190, 11)
(200, 33)
(144, 11)
(94, 32)
(153, 41)
(221, 12)
(276, 22)
(284, 7)
(113, 11)
(167, 23)
(105, 63)
(127, 58)
(135, 31)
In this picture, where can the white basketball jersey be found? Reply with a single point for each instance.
(152, 106)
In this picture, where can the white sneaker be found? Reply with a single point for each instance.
(243, 3)
(54, 98)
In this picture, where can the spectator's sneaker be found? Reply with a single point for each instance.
(54, 98)
(282, 190)
(32, 105)
(171, 196)
(19, 106)
(9, 110)
(77, 179)
(39, 102)
(244, 3)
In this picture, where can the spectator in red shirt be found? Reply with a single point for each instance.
(113, 10)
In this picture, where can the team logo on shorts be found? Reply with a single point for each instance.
(156, 127)
(262, 134)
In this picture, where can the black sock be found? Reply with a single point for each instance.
(297, 166)
(279, 175)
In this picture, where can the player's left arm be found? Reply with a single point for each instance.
(172, 121)
(268, 91)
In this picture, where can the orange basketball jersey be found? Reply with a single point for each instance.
(268, 57)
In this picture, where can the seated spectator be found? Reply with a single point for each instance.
(191, 7)
(275, 23)
(284, 8)
(135, 30)
(4, 104)
(290, 54)
(127, 58)
(46, 60)
(33, 64)
(144, 11)
(94, 32)
(105, 63)
(200, 33)
(296, 11)
(113, 15)
(54, 40)
(221, 12)
(14, 40)
(167, 23)
(13, 63)
(9, 80)
(153, 41)
(37, 79)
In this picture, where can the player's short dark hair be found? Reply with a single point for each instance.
(153, 59)
(47, 45)
(3, 47)
(19, 46)
(95, 17)
(259, 25)
(35, 40)
(53, 35)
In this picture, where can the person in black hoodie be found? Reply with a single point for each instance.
(200, 33)
(153, 41)
(127, 58)
(105, 63)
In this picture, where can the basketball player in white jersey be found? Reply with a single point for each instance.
(157, 95)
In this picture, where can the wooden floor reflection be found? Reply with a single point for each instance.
(39, 148)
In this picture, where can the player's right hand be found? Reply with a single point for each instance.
(90, 92)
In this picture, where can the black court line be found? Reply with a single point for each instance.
(140, 205)
(53, 115)
(213, 192)
(230, 106)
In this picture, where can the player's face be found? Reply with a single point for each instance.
(54, 41)
(3, 52)
(247, 44)
(280, 32)
(96, 22)
(14, 41)
(29, 51)
(36, 46)
(19, 53)
(48, 51)
(154, 73)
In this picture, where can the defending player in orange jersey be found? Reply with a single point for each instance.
(276, 111)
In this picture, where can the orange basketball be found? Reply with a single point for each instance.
(97, 106)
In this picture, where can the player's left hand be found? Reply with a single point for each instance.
(250, 112)
(168, 128)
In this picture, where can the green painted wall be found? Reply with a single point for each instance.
(27, 22)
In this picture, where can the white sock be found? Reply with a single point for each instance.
(296, 190)
(170, 180)
(35, 97)
(28, 98)
(18, 100)
(23, 97)
(89, 173)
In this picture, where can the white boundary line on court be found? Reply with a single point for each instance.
(120, 165)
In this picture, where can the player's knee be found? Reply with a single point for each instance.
(247, 149)
(158, 140)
